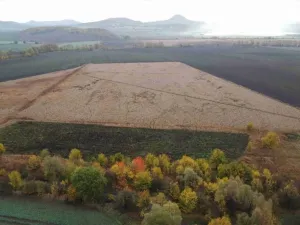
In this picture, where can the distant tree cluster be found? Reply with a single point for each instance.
(36, 50)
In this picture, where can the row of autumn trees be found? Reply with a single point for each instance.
(160, 189)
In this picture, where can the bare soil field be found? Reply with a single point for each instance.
(15, 95)
(155, 95)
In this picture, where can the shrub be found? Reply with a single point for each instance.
(143, 180)
(44, 153)
(41, 187)
(2, 149)
(89, 183)
(102, 160)
(268, 182)
(15, 180)
(188, 200)
(174, 191)
(157, 173)
(151, 161)
(2, 172)
(75, 156)
(34, 162)
(249, 146)
(271, 140)
(220, 221)
(168, 214)
(53, 168)
(54, 189)
(29, 187)
(126, 200)
(217, 157)
(250, 126)
(289, 196)
(71, 194)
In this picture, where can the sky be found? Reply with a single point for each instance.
(223, 15)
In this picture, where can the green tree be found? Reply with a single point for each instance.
(235, 169)
(53, 168)
(44, 153)
(126, 200)
(191, 178)
(174, 191)
(143, 180)
(89, 183)
(102, 159)
(188, 200)
(15, 180)
(168, 214)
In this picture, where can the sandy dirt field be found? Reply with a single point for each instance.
(155, 95)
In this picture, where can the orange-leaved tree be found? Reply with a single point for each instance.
(138, 164)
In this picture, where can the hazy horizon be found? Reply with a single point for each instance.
(230, 17)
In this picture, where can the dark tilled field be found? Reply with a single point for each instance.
(59, 138)
(272, 71)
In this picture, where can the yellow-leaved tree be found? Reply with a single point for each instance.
(220, 221)
(15, 180)
(2, 149)
(75, 156)
(188, 200)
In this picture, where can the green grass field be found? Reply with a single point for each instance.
(26, 211)
(31, 137)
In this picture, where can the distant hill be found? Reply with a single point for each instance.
(177, 19)
(64, 23)
(12, 26)
(175, 26)
(111, 23)
(66, 34)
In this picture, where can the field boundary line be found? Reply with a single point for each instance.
(44, 92)
(47, 90)
(195, 97)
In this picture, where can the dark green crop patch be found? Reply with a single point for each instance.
(59, 138)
